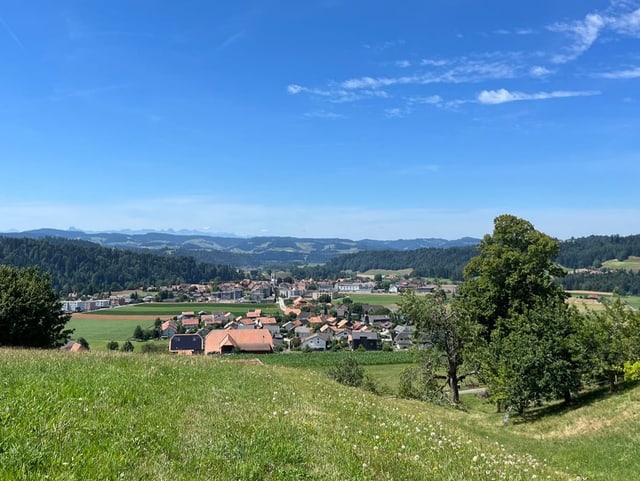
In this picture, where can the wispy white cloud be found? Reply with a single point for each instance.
(516, 31)
(460, 70)
(396, 112)
(381, 46)
(620, 74)
(431, 100)
(336, 95)
(583, 33)
(323, 114)
(501, 96)
(11, 33)
(434, 62)
(403, 63)
(627, 24)
(538, 71)
(231, 39)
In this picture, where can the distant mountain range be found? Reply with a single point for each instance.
(238, 251)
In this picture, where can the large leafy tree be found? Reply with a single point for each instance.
(449, 331)
(529, 331)
(513, 272)
(610, 339)
(30, 313)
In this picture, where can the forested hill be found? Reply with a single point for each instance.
(588, 252)
(85, 267)
(593, 250)
(240, 251)
(443, 263)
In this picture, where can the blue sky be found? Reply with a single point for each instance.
(354, 119)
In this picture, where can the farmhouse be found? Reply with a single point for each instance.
(169, 328)
(226, 341)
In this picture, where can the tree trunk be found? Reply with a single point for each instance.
(567, 397)
(612, 381)
(454, 390)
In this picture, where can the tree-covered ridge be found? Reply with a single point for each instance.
(593, 250)
(84, 267)
(445, 263)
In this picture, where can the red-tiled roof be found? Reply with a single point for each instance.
(250, 340)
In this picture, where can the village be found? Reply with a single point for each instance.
(308, 315)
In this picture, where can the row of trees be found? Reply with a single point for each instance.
(510, 324)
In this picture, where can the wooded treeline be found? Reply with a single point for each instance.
(84, 267)
(593, 250)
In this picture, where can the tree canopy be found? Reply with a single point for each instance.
(30, 313)
(528, 329)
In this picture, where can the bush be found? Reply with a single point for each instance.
(127, 347)
(632, 371)
(347, 372)
(420, 383)
(151, 348)
(113, 345)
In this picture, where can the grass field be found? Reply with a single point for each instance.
(170, 309)
(630, 264)
(100, 331)
(113, 416)
(371, 273)
(386, 300)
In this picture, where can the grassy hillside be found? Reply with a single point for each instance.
(133, 417)
(632, 263)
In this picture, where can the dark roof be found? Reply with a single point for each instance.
(186, 342)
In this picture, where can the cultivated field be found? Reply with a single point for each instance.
(114, 416)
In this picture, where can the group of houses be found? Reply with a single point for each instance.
(222, 333)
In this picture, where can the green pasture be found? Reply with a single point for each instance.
(632, 263)
(176, 308)
(633, 301)
(77, 416)
(322, 360)
(387, 300)
(98, 332)
(109, 329)
(386, 272)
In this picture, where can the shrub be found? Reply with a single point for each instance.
(113, 345)
(632, 371)
(347, 372)
(151, 348)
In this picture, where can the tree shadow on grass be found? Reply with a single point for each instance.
(584, 399)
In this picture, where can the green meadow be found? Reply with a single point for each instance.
(375, 299)
(106, 329)
(112, 416)
(630, 264)
(169, 309)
